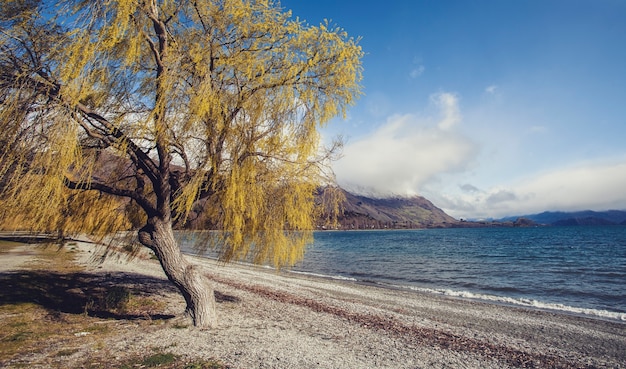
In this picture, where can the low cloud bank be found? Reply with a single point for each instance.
(587, 186)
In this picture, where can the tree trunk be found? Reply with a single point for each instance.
(193, 285)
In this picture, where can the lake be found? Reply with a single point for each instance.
(574, 269)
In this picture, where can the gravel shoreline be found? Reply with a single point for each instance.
(285, 320)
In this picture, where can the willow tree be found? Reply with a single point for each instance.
(160, 105)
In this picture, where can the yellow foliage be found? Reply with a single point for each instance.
(165, 103)
(65, 212)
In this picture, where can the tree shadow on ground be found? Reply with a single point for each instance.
(80, 293)
(92, 294)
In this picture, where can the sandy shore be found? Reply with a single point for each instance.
(286, 320)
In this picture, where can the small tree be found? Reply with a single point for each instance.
(110, 105)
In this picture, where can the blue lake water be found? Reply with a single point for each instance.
(575, 269)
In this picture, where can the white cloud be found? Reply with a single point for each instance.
(597, 186)
(449, 106)
(418, 71)
(469, 188)
(406, 152)
(500, 196)
(588, 186)
(491, 89)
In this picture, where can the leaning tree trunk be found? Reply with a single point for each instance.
(193, 285)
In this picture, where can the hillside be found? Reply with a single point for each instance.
(587, 217)
(361, 212)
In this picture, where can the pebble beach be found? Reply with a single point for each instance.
(270, 319)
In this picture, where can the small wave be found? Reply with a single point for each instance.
(525, 302)
(336, 277)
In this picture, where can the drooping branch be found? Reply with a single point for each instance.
(232, 96)
(94, 185)
(136, 154)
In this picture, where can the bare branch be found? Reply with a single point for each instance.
(93, 185)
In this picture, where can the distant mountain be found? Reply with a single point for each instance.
(587, 217)
(361, 212)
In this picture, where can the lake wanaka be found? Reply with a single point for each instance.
(573, 269)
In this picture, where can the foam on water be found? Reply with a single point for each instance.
(578, 270)
(605, 314)
(522, 302)
(337, 277)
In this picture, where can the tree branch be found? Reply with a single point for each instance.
(135, 152)
(134, 195)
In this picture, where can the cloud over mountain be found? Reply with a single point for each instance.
(586, 186)
(407, 151)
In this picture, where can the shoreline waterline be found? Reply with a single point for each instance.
(564, 269)
(612, 316)
(281, 319)
(605, 315)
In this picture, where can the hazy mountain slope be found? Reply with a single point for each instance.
(586, 217)
(361, 212)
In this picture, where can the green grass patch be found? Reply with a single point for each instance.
(166, 360)
(6, 246)
(66, 352)
(116, 298)
(180, 326)
(206, 364)
(158, 360)
(26, 328)
(52, 306)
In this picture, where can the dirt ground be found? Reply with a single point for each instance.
(69, 307)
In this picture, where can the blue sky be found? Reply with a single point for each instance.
(487, 108)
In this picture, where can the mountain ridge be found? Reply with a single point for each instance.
(584, 217)
(395, 212)
(415, 212)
